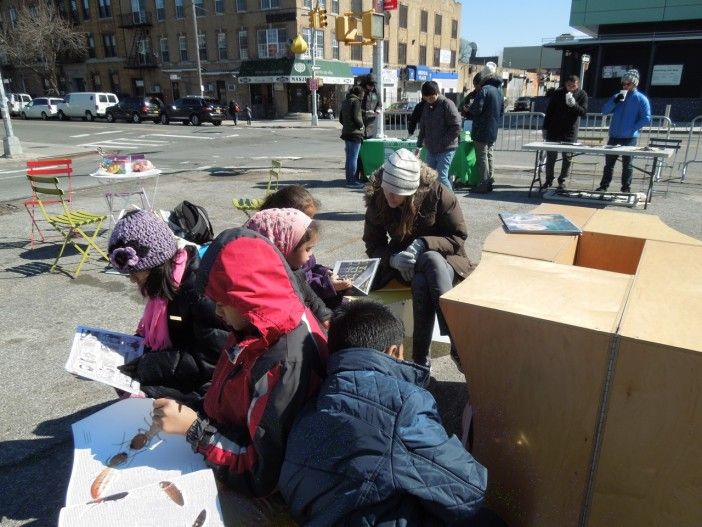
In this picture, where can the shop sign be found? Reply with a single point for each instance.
(666, 75)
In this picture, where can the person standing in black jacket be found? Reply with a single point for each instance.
(565, 108)
(351, 119)
(416, 116)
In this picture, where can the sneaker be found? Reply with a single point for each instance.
(561, 185)
(626, 189)
(546, 184)
(355, 185)
(482, 188)
(601, 189)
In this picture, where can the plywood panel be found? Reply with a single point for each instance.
(635, 225)
(650, 470)
(618, 254)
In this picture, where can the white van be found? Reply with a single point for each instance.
(86, 105)
(16, 102)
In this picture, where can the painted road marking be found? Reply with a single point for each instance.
(180, 136)
(81, 135)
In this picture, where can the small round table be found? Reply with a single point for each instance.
(119, 201)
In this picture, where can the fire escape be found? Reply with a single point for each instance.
(140, 56)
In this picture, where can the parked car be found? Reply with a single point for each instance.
(17, 101)
(193, 109)
(41, 108)
(398, 113)
(522, 104)
(135, 109)
(86, 105)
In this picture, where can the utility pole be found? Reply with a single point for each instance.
(11, 145)
(197, 52)
(315, 116)
(378, 55)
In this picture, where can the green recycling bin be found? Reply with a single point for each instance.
(375, 151)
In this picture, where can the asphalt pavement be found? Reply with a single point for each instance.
(40, 400)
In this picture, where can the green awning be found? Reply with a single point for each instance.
(298, 71)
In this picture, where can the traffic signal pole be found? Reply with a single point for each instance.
(315, 117)
(197, 52)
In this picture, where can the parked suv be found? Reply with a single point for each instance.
(17, 101)
(41, 108)
(523, 104)
(194, 110)
(135, 109)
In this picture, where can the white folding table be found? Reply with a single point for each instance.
(119, 200)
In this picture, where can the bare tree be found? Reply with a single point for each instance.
(466, 51)
(40, 38)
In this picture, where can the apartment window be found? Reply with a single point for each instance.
(437, 24)
(335, 7)
(199, 7)
(13, 17)
(271, 43)
(356, 52)
(307, 4)
(453, 58)
(105, 8)
(356, 7)
(163, 47)
(307, 35)
(270, 4)
(97, 83)
(403, 16)
(319, 3)
(183, 48)
(222, 45)
(160, 9)
(90, 44)
(454, 28)
(386, 53)
(437, 57)
(144, 51)
(219, 7)
(114, 81)
(402, 53)
(423, 21)
(243, 45)
(180, 12)
(202, 45)
(335, 48)
(73, 4)
(110, 43)
(240, 6)
(86, 11)
(423, 55)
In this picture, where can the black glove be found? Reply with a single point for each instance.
(130, 368)
(619, 97)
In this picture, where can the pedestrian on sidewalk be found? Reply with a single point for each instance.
(247, 109)
(234, 110)
(631, 111)
(370, 106)
(487, 110)
(415, 225)
(439, 128)
(467, 101)
(565, 108)
(351, 119)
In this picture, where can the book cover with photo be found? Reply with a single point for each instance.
(361, 273)
(97, 353)
(538, 224)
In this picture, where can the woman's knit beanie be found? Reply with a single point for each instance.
(631, 76)
(139, 241)
(401, 173)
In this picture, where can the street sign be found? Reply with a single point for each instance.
(312, 83)
(389, 5)
(315, 68)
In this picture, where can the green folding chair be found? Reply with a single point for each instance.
(71, 223)
(248, 205)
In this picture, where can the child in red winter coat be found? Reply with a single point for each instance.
(272, 365)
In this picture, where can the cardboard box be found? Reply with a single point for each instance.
(583, 365)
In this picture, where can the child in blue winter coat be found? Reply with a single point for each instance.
(371, 449)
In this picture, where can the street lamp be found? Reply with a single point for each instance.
(197, 51)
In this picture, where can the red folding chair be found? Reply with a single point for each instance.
(60, 168)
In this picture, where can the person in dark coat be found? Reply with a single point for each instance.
(371, 106)
(565, 108)
(234, 110)
(351, 119)
(371, 449)
(415, 225)
(467, 101)
(487, 110)
(183, 337)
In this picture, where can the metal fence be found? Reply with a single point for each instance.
(396, 123)
(693, 150)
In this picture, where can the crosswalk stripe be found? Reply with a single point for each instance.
(180, 136)
(81, 135)
(110, 132)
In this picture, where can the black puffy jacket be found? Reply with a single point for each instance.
(184, 371)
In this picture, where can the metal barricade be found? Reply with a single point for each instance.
(693, 150)
(519, 128)
(396, 123)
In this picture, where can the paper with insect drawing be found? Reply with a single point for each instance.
(176, 501)
(360, 272)
(96, 354)
(105, 438)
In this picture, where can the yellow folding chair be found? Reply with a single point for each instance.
(247, 205)
(70, 224)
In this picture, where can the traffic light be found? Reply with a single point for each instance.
(323, 18)
(346, 28)
(373, 25)
(314, 18)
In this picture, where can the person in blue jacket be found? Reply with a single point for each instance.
(371, 449)
(630, 111)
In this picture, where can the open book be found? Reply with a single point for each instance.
(96, 354)
(360, 272)
(539, 224)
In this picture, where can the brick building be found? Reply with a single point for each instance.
(148, 47)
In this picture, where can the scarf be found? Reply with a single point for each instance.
(153, 325)
(284, 227)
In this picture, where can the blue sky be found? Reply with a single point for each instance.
(495, 24)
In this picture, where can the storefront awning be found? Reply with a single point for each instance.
(294, 71)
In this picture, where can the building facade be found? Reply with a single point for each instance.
(148, 47)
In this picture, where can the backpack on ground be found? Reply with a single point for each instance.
(191, 222)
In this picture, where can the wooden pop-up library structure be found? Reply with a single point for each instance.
(584, 358)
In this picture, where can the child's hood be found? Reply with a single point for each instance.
(244, 270)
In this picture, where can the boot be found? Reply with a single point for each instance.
(483, 187)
